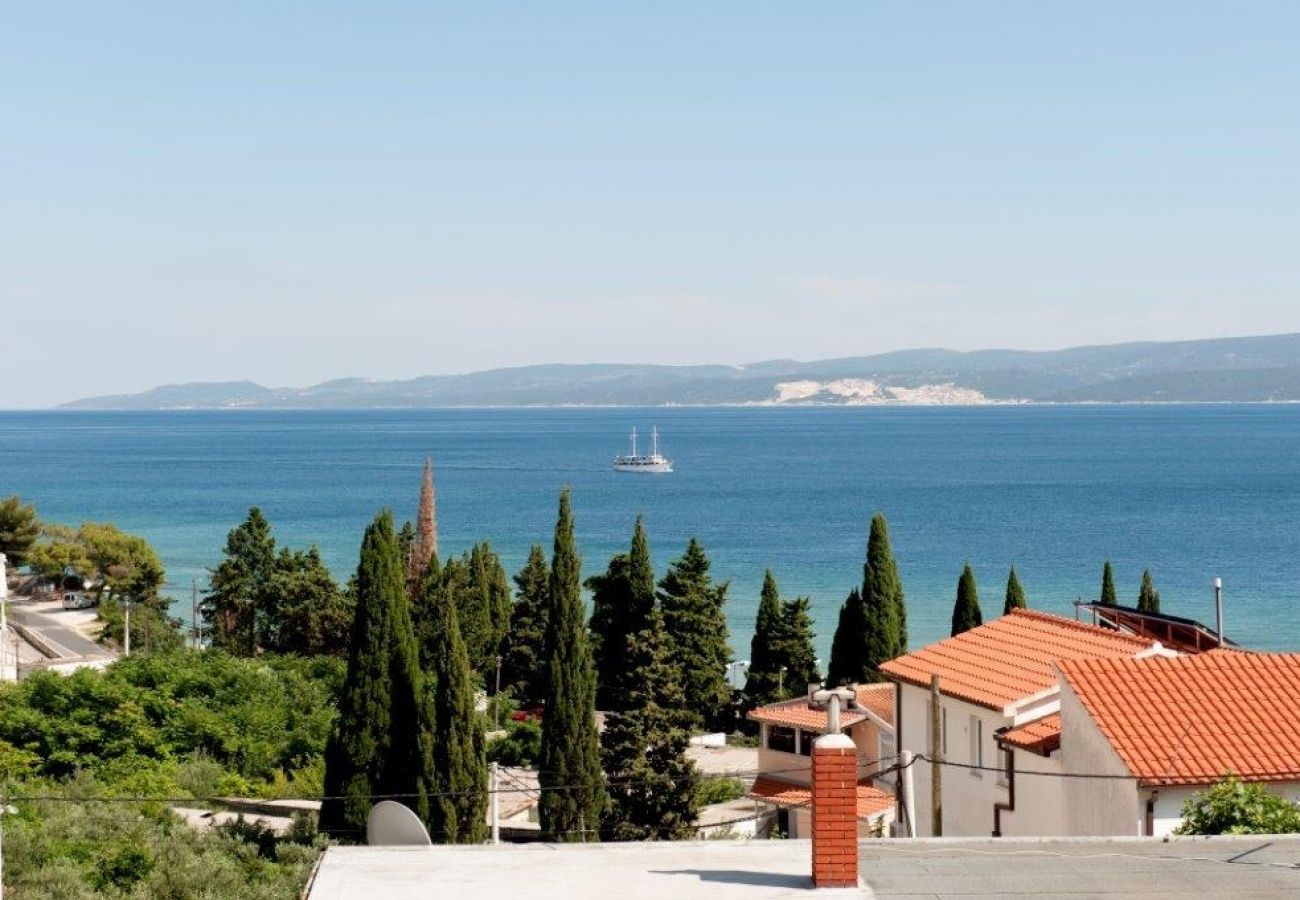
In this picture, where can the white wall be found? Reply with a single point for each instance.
(1169, 803)
(1095, 806)
(1039, 798)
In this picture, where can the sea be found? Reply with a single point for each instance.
(1190, 492)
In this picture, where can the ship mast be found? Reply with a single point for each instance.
(634, 440)
(654, 448)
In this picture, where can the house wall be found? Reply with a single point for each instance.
(1169, 803)
(1039, 798)
(1095, 806)
(968, 796)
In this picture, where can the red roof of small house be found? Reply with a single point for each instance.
(871, 800)
(1195, 719)
(877, 698)
(1009, 658)
(1040, 736)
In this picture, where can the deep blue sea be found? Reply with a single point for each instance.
(1190, 491)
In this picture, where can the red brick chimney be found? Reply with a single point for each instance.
(834, 812)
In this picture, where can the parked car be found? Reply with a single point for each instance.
(78, 600)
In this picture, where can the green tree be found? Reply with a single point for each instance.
(653, 786)
(798, 656)
(521, 670)
(573, 792)
(235, 608)
(695, 623)
(763, 680)
(966, 611)
(1148, 596)
(882, 593)
(311, 613)
(456, 812)
(622, 600)
(849, 659)
(381, 744)
(60, 551)
(1234, 807)
(19, 529)
(1015, 593)
(1108, 596)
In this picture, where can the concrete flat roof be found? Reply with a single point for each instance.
(1249, 866)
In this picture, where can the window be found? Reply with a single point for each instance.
(779, 738)
(976, 745)
(806, 739)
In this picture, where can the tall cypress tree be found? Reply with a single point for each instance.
(459, 765)
(622, 600)
(966, 611)
(381, 743)
(521, 668)
(573, 792)
(850, 663)
(695, 623)
(1015, 593)
(1148, 596)
(882, 595)
(764, 676)
(652, 784)
(1108, 596)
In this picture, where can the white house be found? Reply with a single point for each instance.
(786, 733)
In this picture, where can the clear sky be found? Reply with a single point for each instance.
(291, 192)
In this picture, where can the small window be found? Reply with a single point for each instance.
(780, 738)
(976, 744)
(806, 739)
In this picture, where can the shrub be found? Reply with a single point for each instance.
(719, 790)
(522, 745)
(1235, 807)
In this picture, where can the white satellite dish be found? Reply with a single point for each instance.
(390, 824)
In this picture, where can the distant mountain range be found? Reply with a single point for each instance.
(1239, 370)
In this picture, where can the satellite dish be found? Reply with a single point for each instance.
(390, 824)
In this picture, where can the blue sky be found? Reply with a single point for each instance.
(291, 192)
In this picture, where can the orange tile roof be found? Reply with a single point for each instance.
(1193, 719)
(878, 698)
(871, 800)
(1008, 658)
(1040, 736)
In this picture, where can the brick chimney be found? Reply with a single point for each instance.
(834, 812)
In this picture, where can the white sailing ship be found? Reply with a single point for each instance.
(652, 462)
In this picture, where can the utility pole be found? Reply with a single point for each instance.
(194, 611)
(936, 760)
(494, 801)
(126, 627)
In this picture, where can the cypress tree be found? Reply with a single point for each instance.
(1148, 596)
(1015, 593)
(521, 672)
(882, 592)
(622, 600)
(764, 676)
(459, 765)
(652, 784)
(573, 792)
(849, 659)
(381, 743)
(695, 623)
(1108, 596)
(966, 611)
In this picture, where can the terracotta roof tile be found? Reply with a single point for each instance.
(1010, 657)
(1040, 736)
(871, 800)
(878, 698)
(1193, 719)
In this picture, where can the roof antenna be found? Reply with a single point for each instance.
(1218, 609)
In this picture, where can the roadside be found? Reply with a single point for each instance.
(51, 637)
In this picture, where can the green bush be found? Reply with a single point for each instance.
(1235, 807)
(719, 790)
(522, 745)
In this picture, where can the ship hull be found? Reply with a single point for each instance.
(658, 466)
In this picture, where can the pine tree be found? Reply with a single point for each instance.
(381, 743)
(521, 673)
(312, 614)
(763, 680)
(456, 812)
(1108, 596)
(695, 624)
(799, 659)
(849, 662)
(570, 757)
(622, 599)
(966, 611)
(652, 784)
(236, 609)
(19, 529)
(1015, 593)
(1148, 596)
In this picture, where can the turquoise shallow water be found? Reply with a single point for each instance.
(1191, 491)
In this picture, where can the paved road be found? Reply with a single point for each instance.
(56, 633)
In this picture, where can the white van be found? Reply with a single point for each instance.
(78, 600)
